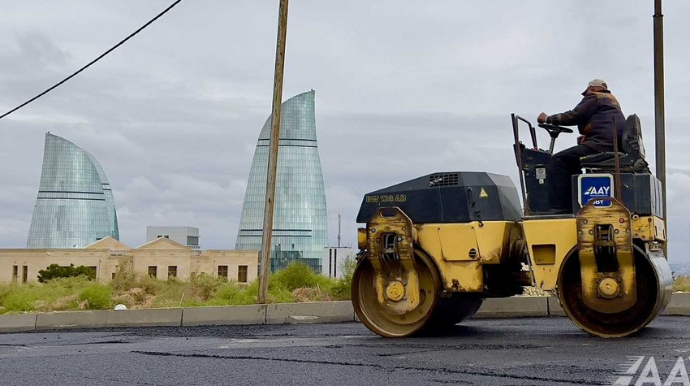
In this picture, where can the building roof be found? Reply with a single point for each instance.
(163, 243)
(108, 243)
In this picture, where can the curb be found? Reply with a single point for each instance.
(281, 313)
(237, 315)
(12, 323)
(679, 305)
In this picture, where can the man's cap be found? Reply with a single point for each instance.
(596, 83)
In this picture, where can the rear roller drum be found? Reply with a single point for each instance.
(382, 318)
(653, 280)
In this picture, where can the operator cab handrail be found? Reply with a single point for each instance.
(516, 134)
(532, 163)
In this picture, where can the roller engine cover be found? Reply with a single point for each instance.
(448, 197)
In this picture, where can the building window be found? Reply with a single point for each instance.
(113, 276)
(223, 271)
(242, 274)
(25, 273)
(172, 271)
(153, 271)
(15, 273)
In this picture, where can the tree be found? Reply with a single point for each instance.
(54, 271)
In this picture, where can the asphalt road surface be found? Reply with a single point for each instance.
(521, 351)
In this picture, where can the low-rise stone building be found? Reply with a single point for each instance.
(161, 258)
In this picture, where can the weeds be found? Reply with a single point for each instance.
(681, 284)
(296, 283)
(96, 297)
(341, 289)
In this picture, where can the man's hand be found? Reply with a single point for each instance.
(541, 118)
(580, 138)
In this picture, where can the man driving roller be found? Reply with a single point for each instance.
(594, 117)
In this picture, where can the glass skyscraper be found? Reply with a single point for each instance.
(300, 226)
(75, 205)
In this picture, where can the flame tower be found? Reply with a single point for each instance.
(75, 205)
(300, 223)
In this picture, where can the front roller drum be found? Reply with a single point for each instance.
(387, 320)
(653, 281)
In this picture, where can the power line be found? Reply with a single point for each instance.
(93, 61)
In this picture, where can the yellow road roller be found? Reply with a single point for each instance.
(435, 247)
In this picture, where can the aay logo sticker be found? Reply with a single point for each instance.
(603, 191)
(595, 187)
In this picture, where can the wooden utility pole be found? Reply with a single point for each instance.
(265, 260)
(659, 120)
(338, 230)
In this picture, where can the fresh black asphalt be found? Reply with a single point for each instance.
(520, 351)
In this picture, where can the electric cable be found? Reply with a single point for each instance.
(93, 61)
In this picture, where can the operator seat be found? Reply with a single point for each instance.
(631, 160)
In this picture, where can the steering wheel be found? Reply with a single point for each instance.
(554, 130)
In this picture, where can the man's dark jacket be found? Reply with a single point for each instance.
(593, 117)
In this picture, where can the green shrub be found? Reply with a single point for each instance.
(18, 301)
(5, 290)
(150, 285)
(342, 290)
(298, 275)
(125, 279)
(231, 293)
(278, 295)
(57, 294)
(204, 285)
(297, 282)
(168, 293)
(97, 296)
(54, 271)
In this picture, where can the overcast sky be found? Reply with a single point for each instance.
(403, 89)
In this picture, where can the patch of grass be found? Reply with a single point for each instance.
(342, 290)
(97, 296)
(298, 275)
(19, 301)
(204, 285)
(230, 293)
(296, 283)
(681, 283)
(170, 293)
(124, 278)
(56, 294)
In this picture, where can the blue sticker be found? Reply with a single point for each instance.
(595, 187)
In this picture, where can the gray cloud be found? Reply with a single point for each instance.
(410, 87)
